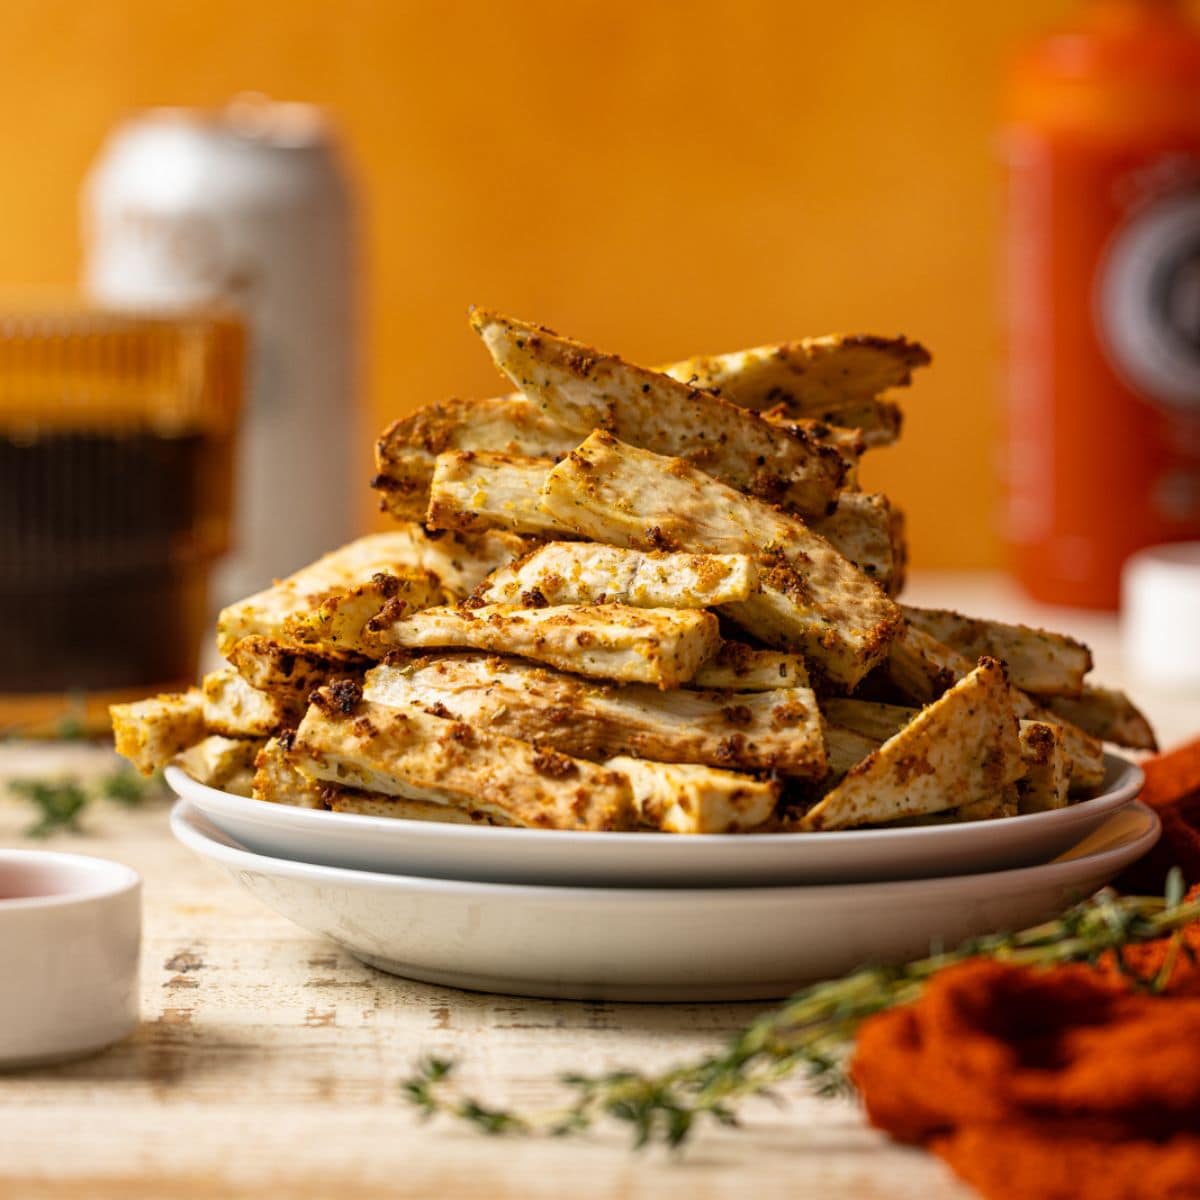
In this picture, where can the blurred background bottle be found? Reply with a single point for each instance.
(250, 207)
(1102, 152)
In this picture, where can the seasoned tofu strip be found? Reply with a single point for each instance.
(922, 668)
(233, 708)
(878, 721)
(473, 491)
(822, 390)
(482, 489)
(758, 731)
(338, 624)
(962, 748)
(845, 749)
(741, 668)
(458, 561)
(1047, 664)
(868, 531)
(684, 798)
(663, 646)
(149, 733)
(406, 454)
(1047, 777)
(401, 808)
(581, 389)
(590, 573)
(810, 599)
(818, 378)
(851, 444)
(1004, 803)
(285, 669)
(851, 429)
(224, 763)
(1107, 714)
(277, 779)
(408, 752)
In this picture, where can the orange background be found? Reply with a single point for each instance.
(657, 178)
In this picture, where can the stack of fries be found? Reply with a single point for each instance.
(621, 598)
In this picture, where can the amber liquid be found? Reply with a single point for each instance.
(101, 584)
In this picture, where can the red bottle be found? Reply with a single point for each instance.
(1102, 153)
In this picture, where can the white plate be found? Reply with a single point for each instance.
(656, 944)
(501, 855)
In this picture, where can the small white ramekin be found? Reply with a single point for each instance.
(1160, 617)
(70, 935)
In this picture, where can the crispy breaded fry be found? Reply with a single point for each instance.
(813, 377)
(685, 798)
(1107, 714)
(233, 708)
(811, 599)
(408, 752)
(737, 667)
(868, 531)
(962, 748)
(459, 561)
(763, 731)
(1047, 777)
(490, 490)
(151, 732)
(224, 763)
(663, 646)
(591, 573)
(285, 669)
(1047, 664)
(581, 389)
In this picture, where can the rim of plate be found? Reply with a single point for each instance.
(1125, 777)
(223, 849)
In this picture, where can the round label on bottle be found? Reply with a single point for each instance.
(1148, 301)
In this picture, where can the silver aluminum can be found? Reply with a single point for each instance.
(250, 207)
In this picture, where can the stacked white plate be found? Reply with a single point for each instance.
(648, 916)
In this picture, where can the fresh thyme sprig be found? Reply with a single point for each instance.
(814, 1030)
(59, 803)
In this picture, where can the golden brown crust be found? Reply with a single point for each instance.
(662, 646)
(581, 388)
(416, 754)
(962, 748)
(1047, 664)
(776, 730)
(149, 733)
(811, 599)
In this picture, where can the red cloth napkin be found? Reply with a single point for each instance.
(1042, 1085)
(1173, 791)
(1060, 1084)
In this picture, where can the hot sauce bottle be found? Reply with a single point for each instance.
(1101, 148)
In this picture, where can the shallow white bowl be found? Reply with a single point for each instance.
(70, 931)
(501, 855)
(655, 944)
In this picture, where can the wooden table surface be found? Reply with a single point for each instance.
(268, 1061)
